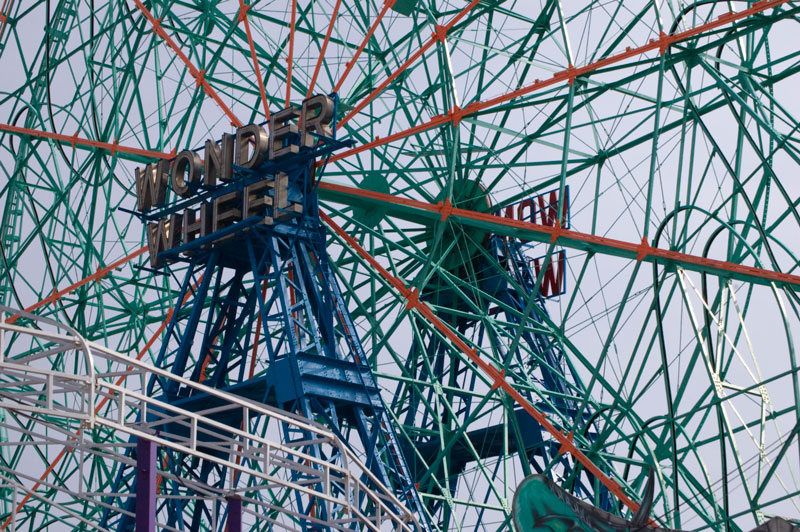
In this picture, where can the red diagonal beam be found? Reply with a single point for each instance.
(640, 251)
(99, 274)
(198, 75)
(5, 11)
(290, 58)
(256, 68)
(76, 141)
(440, 34)
(456, 114)
(322, 49)
(661, 44)
(350, 64)
(497, 377)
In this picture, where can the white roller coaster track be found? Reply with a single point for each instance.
(66, 406)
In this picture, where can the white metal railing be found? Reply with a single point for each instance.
(111, 396)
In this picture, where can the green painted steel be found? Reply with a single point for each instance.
(540, 505)
(688, 369)
(537, 508)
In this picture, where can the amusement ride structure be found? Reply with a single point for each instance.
(353, 265)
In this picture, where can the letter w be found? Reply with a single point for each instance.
(151, 185)
(553, 280)
(163, 236)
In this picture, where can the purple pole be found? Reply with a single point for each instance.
(145, 485)
(234, 514)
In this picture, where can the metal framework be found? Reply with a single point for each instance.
(72, 406)
(261, 290)
(668, 341)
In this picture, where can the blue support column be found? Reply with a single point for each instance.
(145, 485)
(264, 276)
(234, 514)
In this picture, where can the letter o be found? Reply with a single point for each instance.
(186, 168)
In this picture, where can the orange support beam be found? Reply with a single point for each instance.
(574, 239)
(290, 59)
(322, 50)
(256, 68)
(76, 141)
(456, 114)
(198, 75)
(257, 334)
(497, 377)
(99, 274)
(641, 251)
(350, 64)
(661, 44)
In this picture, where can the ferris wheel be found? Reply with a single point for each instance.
(532, 237)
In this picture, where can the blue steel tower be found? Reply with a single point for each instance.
(259, 313)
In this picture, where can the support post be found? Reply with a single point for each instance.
(234, 514)
(145, 485)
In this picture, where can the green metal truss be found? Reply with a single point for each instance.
(670, 126)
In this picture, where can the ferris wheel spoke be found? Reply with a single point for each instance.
(493, 374)
(440, 34)
(95, 276)
(142, 155)
(388, 4)
(568, 75)
(243, 17)
(198, 75)
(640, 252)
(323, 49)
(290, 57)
